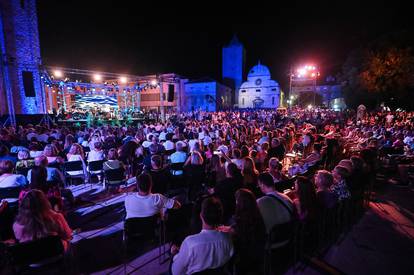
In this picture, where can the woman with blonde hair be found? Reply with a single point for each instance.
(76, 154)
(36, 219)
(250, 173)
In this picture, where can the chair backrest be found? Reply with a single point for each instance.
(222, 270)
(23, 171)
(73, 166)
(178, 166)
(95, 165)
(140, 228)
(32, 252)
(10, 192)
(55, 164)
(115, 174)
(281, 233)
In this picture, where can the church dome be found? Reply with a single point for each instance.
(259, 70)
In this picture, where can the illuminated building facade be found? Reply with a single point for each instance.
(259, 91)
(21, 89)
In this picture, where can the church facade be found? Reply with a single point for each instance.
(259, 91)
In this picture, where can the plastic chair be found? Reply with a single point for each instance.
(95, 168)
(72, 166)
(10, 192)
(139, 233)
(42, 254)
(114, 177)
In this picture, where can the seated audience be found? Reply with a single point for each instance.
(325, 196)
(276, 208)
(340, 187)
(209, 249)
(36, 220)
(146, 204)
(7, 178)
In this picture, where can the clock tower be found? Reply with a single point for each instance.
(233, 63)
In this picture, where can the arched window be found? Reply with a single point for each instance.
(273, 100)
(242, 100)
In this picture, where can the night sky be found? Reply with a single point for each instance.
(116, 36)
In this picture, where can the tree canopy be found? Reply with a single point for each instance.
(382, 71)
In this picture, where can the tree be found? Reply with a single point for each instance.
(382, 71)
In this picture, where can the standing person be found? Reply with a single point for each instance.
(209, 249)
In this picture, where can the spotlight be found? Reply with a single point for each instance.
(123, 79)
(154, 82)
(309, 106)
(97, 77)
(58, 73)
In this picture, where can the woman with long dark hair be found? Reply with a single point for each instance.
(305, 199)
(249, 233)
(37, 220)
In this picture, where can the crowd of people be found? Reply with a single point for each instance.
(242, 173)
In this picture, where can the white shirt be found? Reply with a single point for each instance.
(12, 180)
(162, 136)
(138, 206)
(223, 148)
(43, 138)
(169, 145)
(192, 143)
(31, 135)
(146, 144)
(178, 157)
(207, 140)
(95, 155)
(208, 249)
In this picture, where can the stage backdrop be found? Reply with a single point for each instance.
(96, 101)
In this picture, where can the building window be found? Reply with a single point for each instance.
(243, 101)
(274, 89)
(273, 100)
(243, 91)
(258, 90)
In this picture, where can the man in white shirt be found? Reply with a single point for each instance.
(169, 145)
(178, 157)
(147, 142)
(145, 204)
(209, 249)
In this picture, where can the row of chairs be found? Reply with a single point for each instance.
(111, 177)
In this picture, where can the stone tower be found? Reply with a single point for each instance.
(233, 66)
(21, 87)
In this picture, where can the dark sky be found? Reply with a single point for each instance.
(116, 36)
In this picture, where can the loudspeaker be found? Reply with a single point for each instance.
(170, 93)
(28, 85)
